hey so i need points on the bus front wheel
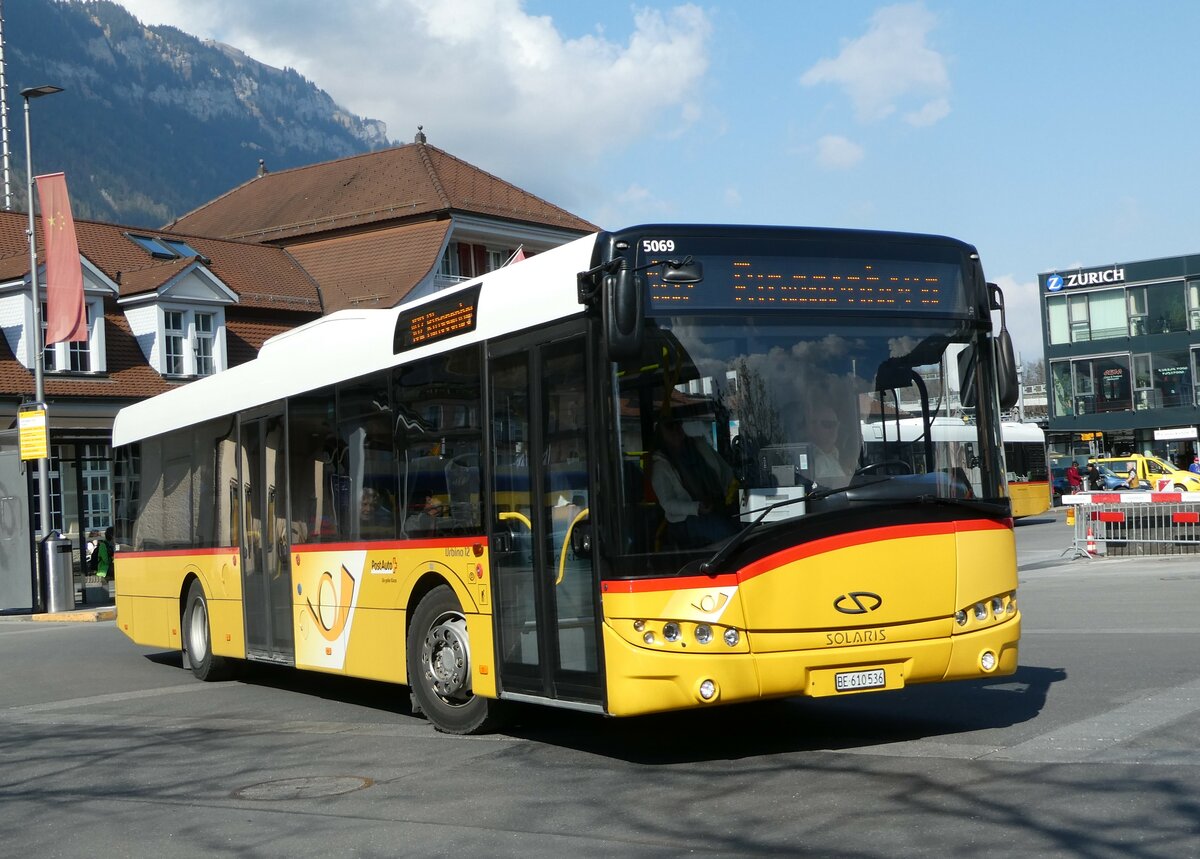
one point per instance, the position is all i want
(197, 638)
(439, 667)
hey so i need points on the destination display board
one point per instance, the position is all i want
(754, 281)
(437, 320)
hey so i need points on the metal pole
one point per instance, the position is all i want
(4, 119)
(35, 341)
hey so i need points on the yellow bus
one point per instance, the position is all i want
(624, 476)
(954, 445)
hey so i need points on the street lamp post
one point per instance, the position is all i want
(36, 334)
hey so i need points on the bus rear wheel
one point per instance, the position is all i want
(197, 638)
(439, 667)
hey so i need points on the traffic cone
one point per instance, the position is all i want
(1091, 542)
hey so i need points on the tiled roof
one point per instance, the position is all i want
(373, 269)
(262, 276)
(399, 183)
(274, 295)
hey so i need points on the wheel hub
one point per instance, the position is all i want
(446, 658)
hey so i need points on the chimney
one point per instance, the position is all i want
(262, 168)
(420, 138)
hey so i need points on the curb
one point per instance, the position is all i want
(93, 616)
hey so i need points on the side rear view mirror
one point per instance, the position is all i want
(623, 314)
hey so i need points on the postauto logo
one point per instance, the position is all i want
(1054, 282)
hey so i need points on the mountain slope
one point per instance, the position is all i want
(153, 121)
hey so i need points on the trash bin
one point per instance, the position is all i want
(58, 573)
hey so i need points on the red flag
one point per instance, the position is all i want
(519, 256)
(65, 315)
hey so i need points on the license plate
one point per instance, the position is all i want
(852, 681)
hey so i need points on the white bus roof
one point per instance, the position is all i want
(353, 343)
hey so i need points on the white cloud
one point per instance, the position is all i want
(733, 197)
(1024, 314)
(889, 67)
(838, 153)
(490, 83)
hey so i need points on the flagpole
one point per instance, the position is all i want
(35, 341)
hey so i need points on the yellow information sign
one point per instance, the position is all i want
(34, 432)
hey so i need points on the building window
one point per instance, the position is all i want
(205, 335)
(1172, 379)
(1196, 377)
(1056, 314)
(1091, 385)
(192, 342)
(1077, 311)
(1138, 322)
(1165, 308)
(96, 480)
(1064, 392)
(81, 356)
(1193, 301)
(174, 336)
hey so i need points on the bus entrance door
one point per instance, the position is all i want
(266, 579)
(546, 617)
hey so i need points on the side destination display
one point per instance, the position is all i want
(437, 320)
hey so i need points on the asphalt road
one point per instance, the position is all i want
(108, 749)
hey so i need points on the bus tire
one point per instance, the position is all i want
(439, 667)
(197, 638)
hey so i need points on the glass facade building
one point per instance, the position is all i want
(1122, 346)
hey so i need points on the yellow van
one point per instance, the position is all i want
(1150, 470)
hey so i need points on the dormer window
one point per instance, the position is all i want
(192, 341)
(83, 356)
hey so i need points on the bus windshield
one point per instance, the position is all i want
(728, 420)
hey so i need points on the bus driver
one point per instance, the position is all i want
(693, 486)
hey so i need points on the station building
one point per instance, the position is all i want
(1122, 347)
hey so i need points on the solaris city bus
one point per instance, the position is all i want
(623, 476)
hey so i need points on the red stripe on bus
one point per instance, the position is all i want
(1185, 518)
(807, 550)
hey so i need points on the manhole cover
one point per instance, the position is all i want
(303, 788)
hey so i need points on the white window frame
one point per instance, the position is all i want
(60, 353)
(189, 336)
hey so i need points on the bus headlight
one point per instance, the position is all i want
(980, 611)
(707, 689)
(732, 637)
(671, 631)
(987, 660)
(704, 633)
(997, 606)
(960, 617)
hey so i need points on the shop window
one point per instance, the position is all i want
(1143, 383)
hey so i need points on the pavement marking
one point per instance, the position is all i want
(71, 703)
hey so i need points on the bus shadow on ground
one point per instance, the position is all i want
(799, 724)
(723, 732)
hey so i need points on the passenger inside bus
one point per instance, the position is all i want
(695, 487)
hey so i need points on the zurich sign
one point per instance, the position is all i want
(1054, 282)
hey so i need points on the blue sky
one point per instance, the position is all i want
(1048, 134)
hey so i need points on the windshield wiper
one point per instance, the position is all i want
(737, 539)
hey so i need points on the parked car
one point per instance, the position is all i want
(1150, 470)
(1109, 479)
